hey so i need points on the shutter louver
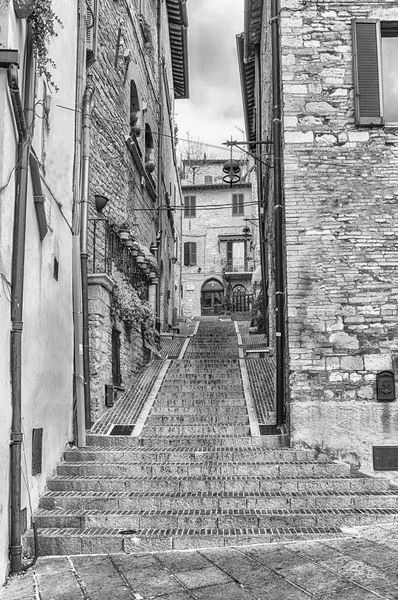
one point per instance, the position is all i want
(186, 254)
(193, 253)
(229, 254)
(234, 204)
(365, 36)
(193, 206)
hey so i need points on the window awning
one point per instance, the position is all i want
(234, 237)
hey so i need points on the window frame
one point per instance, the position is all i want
(368, 71)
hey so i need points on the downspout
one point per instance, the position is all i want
(260, 196)
(24, 119)
(160, 162)
(80, 430)
(88, 94)
(279, 215)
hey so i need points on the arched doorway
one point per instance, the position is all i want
(212, 297)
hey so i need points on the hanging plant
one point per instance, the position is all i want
(43, 20)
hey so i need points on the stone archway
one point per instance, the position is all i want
(212, 297)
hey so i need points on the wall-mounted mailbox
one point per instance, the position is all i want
(385, 386)
(109, 395)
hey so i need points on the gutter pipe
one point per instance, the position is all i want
(279, 215)
(24, 119)
(160, 162)
(80, 423)
(88, 94)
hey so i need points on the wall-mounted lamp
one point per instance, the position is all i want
(100, 202)
(153, 248)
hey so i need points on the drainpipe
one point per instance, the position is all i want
(160, 161)
(279, 215)
(24, 120)
(80, 428)
(83, 248)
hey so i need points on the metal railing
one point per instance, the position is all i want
(242, 302)
(107, 251)
(240, 264)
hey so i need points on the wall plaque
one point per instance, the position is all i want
(385, 458)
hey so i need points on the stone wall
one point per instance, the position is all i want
(128, 52)
(341, 190)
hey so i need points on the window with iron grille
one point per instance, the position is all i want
(189, 254)
(189, 206)
(237, 204)
(375, 48)
(116, 374)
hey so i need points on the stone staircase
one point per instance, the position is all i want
(194, 476)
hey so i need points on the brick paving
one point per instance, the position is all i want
(128, 408)
(360, 565)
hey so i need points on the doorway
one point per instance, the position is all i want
(212, 298)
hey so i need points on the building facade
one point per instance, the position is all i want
(36, 310)
(339, 184)
(141, 69)
(219, 252)
(88, 239)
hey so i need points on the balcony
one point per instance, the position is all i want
(240, 265)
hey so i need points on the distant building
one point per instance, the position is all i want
(339, 179)
(220, 250)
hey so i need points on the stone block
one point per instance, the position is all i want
(352, 363)
(342, 340)
(299, 137)
(378, 362)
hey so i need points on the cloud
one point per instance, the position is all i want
(215, 105)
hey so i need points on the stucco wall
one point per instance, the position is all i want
(47, 338)
(341, 189)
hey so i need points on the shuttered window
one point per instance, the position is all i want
(375, 71)
(189, 206)
(189, 254)
(237, 204)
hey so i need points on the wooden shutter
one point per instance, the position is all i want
(186, 206)
(229, 253)
(366, 53)
(186, 254)
(234, 204)
(193, 206)
(193, 253)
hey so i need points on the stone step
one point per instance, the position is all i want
(205, 400)
(132, 501)
(211, 469)
(229, 413)
(195, 390)
(195, 430)
(194, 456)
(208, 417)
(265, 441)
(238, 484)
(99, 540)
(188, 518)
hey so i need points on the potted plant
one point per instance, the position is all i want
(130, 241)
(23, 8)
(124, 231)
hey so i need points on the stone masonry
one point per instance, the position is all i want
(341, 190)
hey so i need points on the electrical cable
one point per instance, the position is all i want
(127, 124)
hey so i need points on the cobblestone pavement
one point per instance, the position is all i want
(362, 565)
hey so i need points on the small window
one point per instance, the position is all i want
(237, 204)
(375, 47)
(56, 269)
(208, 179)
(189, 254)
(189, 206)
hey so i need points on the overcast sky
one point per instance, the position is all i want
(214, 108)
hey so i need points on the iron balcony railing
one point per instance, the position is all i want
(240, 264)
(107, 252)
